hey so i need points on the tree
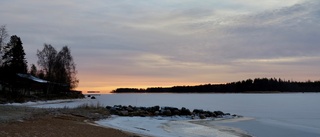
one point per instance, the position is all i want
(46, 60)
(3, 36)
(33, 70)
(67, 67)
(58, 67)
(14, 56)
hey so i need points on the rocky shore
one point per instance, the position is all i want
(165, 112)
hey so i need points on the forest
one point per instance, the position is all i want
(55, 76)
(257, 85)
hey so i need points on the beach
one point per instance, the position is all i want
(19, 121)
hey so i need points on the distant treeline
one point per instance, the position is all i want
(257, 85)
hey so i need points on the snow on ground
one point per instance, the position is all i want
(69, 103)
(151, 126)
(163, 127)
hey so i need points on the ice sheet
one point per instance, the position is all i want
(163, 127)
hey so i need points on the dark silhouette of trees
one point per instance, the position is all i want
(58, 67)
(257, 85)
(33, 70)
(54, 80)
(46, 61)
(13, 62)
(14, 56)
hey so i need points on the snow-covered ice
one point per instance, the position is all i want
(164, 127)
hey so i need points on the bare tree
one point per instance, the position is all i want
(58, 67)
(46, 60)
(3, 37)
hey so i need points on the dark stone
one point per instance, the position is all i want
(197, 111)
(185, 111)
(202, 116)
(93, 97)
(124, 113)
(175, 112)
(113, 110)
(167, 113)
(156, 113)
(218, 113)
(129, 109)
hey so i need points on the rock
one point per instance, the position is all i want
(129, 109)
(202, 116)
(156, 113)
(167, 113)
(197, 111)
(93, 97)
(175, 112)
(113, 110)
(163, 111)
(185, 111)
(124, 113)
(218, 113)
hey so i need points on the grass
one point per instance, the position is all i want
(97, 108)
(98, 105)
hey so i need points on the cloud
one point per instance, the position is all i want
(173, 40)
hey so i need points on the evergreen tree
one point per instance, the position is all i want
(14, 56)
(33, 70)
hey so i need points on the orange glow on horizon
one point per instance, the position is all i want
(108, 85)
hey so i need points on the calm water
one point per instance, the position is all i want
(294, 114)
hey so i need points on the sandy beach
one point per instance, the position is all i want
(31, 122)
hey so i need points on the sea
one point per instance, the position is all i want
(265, 115)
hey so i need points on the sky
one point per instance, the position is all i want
(160, 43)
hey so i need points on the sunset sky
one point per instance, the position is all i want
(151, 43)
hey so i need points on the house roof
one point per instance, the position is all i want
(33, 78)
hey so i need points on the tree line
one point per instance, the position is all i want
(257, 85)
(56, 67)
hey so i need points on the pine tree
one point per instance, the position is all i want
(14, 56)
(33, 70)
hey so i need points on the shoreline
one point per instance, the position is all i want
(173, 126)
(30, 122)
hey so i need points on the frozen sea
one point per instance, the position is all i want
(267, 115)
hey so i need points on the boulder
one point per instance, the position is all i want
(197, 111)
(175, 112)
(123, 113)
(185, 111)
(202, 116)
(218, 113)
(167, 112)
